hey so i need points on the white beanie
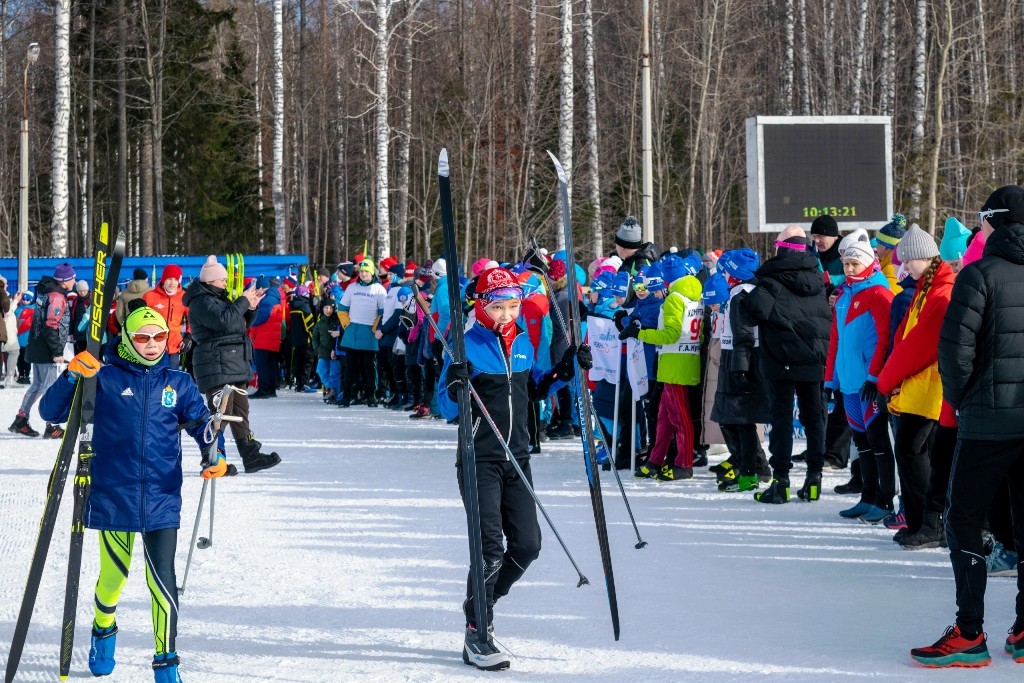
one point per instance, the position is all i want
(440, 268)
(861, 252)
(212, 271)
(858, 235)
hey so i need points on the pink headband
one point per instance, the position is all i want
(791, 245)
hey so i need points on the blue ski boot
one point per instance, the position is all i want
(101, 653)
(165, 668)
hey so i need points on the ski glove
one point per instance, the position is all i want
(618, 318)
(828, 394)
(458, 374)
(187, 343)
(218, 469)
(584, 357)
(630, 331)
(869, 392)
(83, 365)
(535, 262)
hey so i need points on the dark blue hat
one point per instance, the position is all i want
(716, 290)
(740, 263)
(620, 285)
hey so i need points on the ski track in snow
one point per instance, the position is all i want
(347, 562)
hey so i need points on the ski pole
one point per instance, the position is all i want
(195, 532)
(508, 454)
(640, 543)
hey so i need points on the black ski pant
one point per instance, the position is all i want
(300, 366)
(877, 462)
(385, 373)
(506, 509)
(979, 468)
(356, 361)
(24, 367)
(780, 440)
(398, 370)
(913, 443)
(534, 425)
(414, 382)
(744, 439)
(943, 448)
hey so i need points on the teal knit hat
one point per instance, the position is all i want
(954, 240)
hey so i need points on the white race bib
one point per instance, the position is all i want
(727, 322)
(689, 336)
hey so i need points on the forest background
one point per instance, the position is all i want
(313, 126)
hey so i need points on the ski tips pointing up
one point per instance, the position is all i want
(558, 167)
(442, 163)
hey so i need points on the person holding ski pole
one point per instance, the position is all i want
(500, 363)
(136, 474)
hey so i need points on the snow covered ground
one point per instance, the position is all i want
(347, 563)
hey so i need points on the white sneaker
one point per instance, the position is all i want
(484, 656)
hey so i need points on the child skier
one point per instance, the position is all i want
(500, 363)
(136, 474)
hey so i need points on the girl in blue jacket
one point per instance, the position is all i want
(136, 474)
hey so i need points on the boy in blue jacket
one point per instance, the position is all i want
(136, 474)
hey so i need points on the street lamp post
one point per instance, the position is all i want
(30, 59)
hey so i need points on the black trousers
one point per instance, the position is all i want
(744, 439)
(414, 382)
(24, 367)
(979, 469)
(356, 362)
(300, 365)
(385, 373)
(534, 424)
(780, 440)
(506, 510)
(266, 370)
(877, 462)
(943, 448)
(398, 372)
(913, 443)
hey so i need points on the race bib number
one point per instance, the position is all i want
(689, 337)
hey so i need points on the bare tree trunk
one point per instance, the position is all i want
(302, 149)
(984, 55)
(937, 144)
(805, 63)
(90, 167)
(596, 237)
(919, 112)
(257, 91)
(830, 57)
(61, 128)
(788, 62)
(122, 115)
(565, 102)
(707, 51)
(381, 128)
(858, 58)
(404, 148)
(146, 191)
(342, 226)
(277, 178)
(531, 120)
(887, 77)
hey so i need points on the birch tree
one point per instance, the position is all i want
(590, 83)
(565, 102)
(887, 77)
(858, 58)
(61, 129)
(805, 62)
(933, 179)
(277, 177)
(788, 62)
(405, 145)
(919, 113)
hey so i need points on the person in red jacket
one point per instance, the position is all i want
(911, 376)
(165, 299)
(266, 338)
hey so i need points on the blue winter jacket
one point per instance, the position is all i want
(860, 332)
(506, 385)
(271, 299)
(136, 470)
(439, 305)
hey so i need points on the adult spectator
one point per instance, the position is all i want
(266, 338)
(794, 321)
(51, 323)
(300, 333)
(135, 290)
(631, 248)
(165, 299)
(981, 347)
(825, 233)
(360, 312)
(222, 357)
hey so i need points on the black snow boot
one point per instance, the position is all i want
(811, 490)
(53, 432)
(856, 484)
(21, 426)
(252, 459)
(931, 534)
(776, 494)
(700, 456)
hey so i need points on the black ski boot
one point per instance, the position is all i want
(855, 485)
(252, 459)
(811, 490)
(764, 470)
(21, 426)
(776, 494)
(700, 456)
(722, 467)
(53, 432)
(931, 534)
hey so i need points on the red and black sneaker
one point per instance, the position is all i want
(953, 649)
(53, 432)
(1015, 644)
(21, 426)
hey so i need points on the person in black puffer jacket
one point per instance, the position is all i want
(223, 354)
(981, 361)
(795, 321)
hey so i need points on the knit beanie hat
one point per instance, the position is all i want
(672, 269)
(740, 263)
(629, 235)
(172, 272)
(954, 240)
(556, 271)
(916, 244)
(136, 320)
(692, 264)
(397, 271)
(651, 278)
(262, 282)
(479, 266)
(975, 249)
(892, 232)
(440, 268)
(860, 252)
(346, 268)
(825, 225)
(81, 285)
(602, 282)
(139, 274)
(716, 290)
(858, 235)
(1008, 201)
(387, 262)
(620, 285)
(612, 262)
(64, 272)
(211, 270)
(497, 284)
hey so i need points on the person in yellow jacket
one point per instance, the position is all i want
(888, 237)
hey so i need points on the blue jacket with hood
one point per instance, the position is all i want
(136, 469)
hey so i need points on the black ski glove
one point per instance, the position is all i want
(566, 369)
(458, 374)
(618, 318)
(631, 330)
(869, 392)
(584, 357)
(535, 262)
(187, 343)
(827, 394)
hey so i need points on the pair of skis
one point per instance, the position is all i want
(79, 428)
(458, 354)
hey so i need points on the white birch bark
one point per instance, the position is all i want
(404, 148)
(590, 83)
(858, 58)
(382, 130)
(940, 80)
(531, 114)
(710, 26)
(565, 102)
(805, 62)
(61, 128)
(919, 113)
(830, 57)
(277, 179)
(983, 49)
(788, 61)
(341, 239)
(887, 76)
(257, 92)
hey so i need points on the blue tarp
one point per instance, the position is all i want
(153, 265)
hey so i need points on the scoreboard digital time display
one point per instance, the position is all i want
(802, 167)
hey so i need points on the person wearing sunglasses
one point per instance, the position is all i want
(137, 473)
(981, 363)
